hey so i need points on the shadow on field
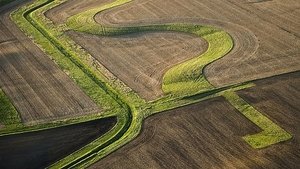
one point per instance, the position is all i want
(42, 148)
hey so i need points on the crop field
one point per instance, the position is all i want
(279, 98)
(40, 91)
(271, 47)
(60, 13)
(141, 60)
(149, 84)
(204, 136)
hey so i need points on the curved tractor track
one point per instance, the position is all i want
(183, 81)
(265, 34)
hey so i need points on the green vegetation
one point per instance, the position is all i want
(31, 21)
(8, 114)
(185, 83)
(271, 133)
(184, 79)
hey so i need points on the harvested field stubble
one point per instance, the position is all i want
(266, 35)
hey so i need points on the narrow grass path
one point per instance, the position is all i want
(271, 133)
(185, 80)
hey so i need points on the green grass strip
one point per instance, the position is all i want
(184, 79)
(8, 113)
(32, 21)
(65, 59)
(270, 134)
(52, 39)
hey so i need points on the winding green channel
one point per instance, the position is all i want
(183, 79)
(183, 84)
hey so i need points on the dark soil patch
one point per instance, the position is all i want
(209, 134)
(42, 148)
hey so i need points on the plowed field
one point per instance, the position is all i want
(278, 97)
(39, 90)
(140, 60)
(42, 148)
(266, 34)
(208, 134)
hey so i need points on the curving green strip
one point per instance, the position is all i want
(184, 79)
(271, 133)
(186, 76)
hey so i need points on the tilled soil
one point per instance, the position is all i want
(279, 98)
(141, 59)
(266, 34)
(209, 134)
(39, 90)
(42, 148)
(60, 13)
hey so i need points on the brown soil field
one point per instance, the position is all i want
(60, 13)
(266, 34)
(42, 148)
(203, 135)
(209, 134)
(141, 59)
(279, 98)
(39, 90)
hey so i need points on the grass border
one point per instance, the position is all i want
(271, 133)
(31, 19)
(181, 80)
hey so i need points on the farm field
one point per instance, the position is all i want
(149, 84)
(40, 91)
(141, 60)
(205, 136)
(266, 43)
(278, 97)
(21, 151)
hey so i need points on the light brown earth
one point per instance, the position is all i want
(141, 59)
(209, 134)
(39, 90)
(266, 42)
(266, 34)
(60, 13)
